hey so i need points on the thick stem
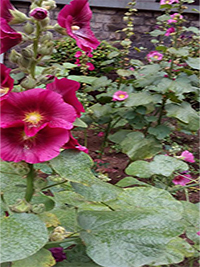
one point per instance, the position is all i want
(35, 49)
(29, 184)
(105, 138)
(161, 111)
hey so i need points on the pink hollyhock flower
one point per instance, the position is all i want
(90, 66)
(35, 109)
(77, 62)
(175, 17)
(169, 31)
(120, 96)
(182, 179)
(187, 156)
(6, 81)
(43, 146)
(168, 2)
(5, 7)
(8, 36)
(67, 88)
(75, 18)
(89, 54)
(100, 134)
(58, 254)
(198, 233)
(73, 144)
(154, 55)
(39, 13)
(78, 54)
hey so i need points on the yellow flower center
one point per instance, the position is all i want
(156, 57)
(33, 117)
(121, 96)
(75, 28)
(3, 91)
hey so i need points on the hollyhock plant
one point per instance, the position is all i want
(175, 17)
(169, 31)
(187, 156)
(75, 18)
(39, 13)
(67, 89)
(45, 145)
(120, 96)
(58, 254)
(35, 109)
(182, 179)
(6, 81)
(8, 36)
(154, 55)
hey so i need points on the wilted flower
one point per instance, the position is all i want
(154, 55)
(169, 31)
(6, 81)
(187, 156)
(67, 89)
(120, 96)
(39, 13)
(73, 144)
(58, 254)
(75, 18)
(175, 17)
(182, 179)
(35, 109)
(168, 2)
(8, 36)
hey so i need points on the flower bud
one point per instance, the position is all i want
(59, 29)
(28, 28)
(14, 56)
(39, 13)
(47, 37)
(44, 22)
(17, 17)
(38, 208)
(24, 62)
(49, 5)
(28, 83)
(21, 206)
(60, 229)
(46, 48)
(27, 53)
(57, 236)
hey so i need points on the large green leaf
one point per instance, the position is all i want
(74, 166)
(22, 235)
(12, 182)
(139, 168)
(185, 113)
(136, 235)
(142, 99)
(42, 258)
(136, 146)
(193, 63)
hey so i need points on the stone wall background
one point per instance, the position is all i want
(106, 21)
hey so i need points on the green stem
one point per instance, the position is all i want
(182, 187)
(52, 185)
(161, 111)
(186, 195)
(29, 184)
(35, 49)
(105, 138)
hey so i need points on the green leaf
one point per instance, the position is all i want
(113, 54)
(140, 169)
(136, 146)
(160, 131)
(119, 136)
(182, 52)
(100, 110)
(124, 73)
(22, 235)
(135, 236)
(74, 166)
(80, 123)
(82, 79)
(185, 113)
(141, 99)
(129, 181)
(193, 63)
(43, 258)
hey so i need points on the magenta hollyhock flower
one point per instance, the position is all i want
(8, 36)
(154, 55)
(35, 109)
(5, 7)
(120, 96)
(100, 134)
(198, 233)
(43, 146)
(90, 66)
(73, 144)
(75, 18)
(175, 17)
(187, 156)
(6, 81)
(58, 254)
(39, 13)
(78, 54)
(77, 62)
(168, 2)
(182, 179)
(169, 31)
(67, 88)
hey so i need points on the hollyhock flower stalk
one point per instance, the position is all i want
(75, 18)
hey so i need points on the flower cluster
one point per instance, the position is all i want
(36, 123)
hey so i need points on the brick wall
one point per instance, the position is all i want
(106, 21)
